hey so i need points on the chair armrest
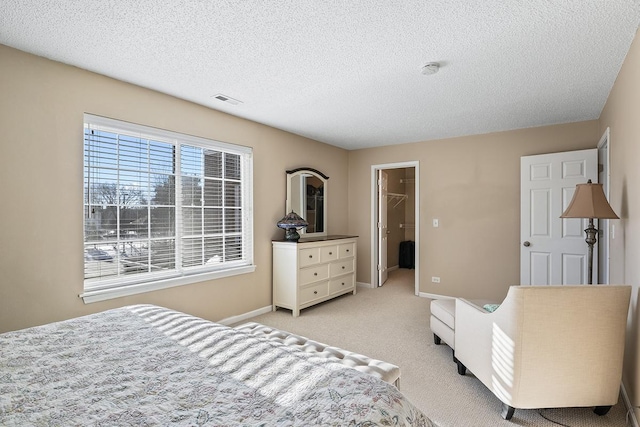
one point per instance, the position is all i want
(475, 333)
(472, 327)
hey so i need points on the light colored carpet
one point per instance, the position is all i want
(392, 324)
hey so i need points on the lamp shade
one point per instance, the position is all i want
(290, 223)
(589, 201)
(292, 220)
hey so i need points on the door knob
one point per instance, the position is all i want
(526, 244)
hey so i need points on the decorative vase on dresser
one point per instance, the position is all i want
(312, 270)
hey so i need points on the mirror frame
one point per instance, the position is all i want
(291, 174)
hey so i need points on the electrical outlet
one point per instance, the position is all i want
(435, 279)
(436, 223)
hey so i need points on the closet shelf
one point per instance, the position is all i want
(403, 225)
(391, 197)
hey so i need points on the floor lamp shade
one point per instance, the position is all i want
(589, 202)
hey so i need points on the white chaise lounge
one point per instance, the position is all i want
(547, 346)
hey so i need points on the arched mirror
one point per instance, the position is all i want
(307, 196)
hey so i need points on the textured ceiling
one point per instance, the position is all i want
(349, 73)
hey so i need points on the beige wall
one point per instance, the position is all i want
(622, 115)
(41, 112)
(472, 185)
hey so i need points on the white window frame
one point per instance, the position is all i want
(95, 291)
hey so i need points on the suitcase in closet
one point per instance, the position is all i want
(407, 254)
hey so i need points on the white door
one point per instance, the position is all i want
(553, 251)
(382, 227)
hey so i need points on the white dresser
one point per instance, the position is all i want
(313, 270)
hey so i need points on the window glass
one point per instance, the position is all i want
(159, 204)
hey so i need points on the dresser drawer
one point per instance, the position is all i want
(328, 253)
(346, 250)
(314, 292)
(341, 284)
(341, 267)
(309, 256)
(313, 274)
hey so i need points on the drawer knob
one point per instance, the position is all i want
(342, 283)
(315, 292)
(310, 256)
(330, 253)
(347, 250)
(315, 274)
(343, 267)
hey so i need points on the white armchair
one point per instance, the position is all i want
(547, 346)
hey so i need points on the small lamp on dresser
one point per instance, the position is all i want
(291, 223)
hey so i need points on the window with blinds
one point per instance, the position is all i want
(160, 207)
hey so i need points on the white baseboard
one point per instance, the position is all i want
(395, 267)
(434, 296)
(630, 409)
(364, 285)
(246, 316)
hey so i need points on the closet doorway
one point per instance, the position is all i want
(395, 219)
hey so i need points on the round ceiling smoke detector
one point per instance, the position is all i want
(430, 68)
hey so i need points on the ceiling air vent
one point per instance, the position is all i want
(227, 99)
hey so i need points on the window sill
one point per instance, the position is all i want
(126, 290)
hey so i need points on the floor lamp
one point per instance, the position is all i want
(590, 202)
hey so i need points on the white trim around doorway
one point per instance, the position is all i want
(604, 239)
(374, 221)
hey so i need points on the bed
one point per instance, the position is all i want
(145, 365)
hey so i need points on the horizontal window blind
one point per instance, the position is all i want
(159, 204)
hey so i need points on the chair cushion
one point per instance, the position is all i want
(445, 311)
(445, 333)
